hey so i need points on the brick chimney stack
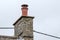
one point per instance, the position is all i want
(24, 9)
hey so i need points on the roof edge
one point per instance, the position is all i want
(23, 17)
(14, 37)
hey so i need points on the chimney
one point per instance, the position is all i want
(24, 25)
(24, 9)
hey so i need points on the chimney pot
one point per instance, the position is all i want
(24, 10)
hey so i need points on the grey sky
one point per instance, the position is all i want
(46, 13)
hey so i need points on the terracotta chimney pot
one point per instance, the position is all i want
(24, 10)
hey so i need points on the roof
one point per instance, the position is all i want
(13, 37)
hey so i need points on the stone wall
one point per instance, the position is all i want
(24, 25)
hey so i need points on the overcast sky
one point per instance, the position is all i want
(46, 13)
